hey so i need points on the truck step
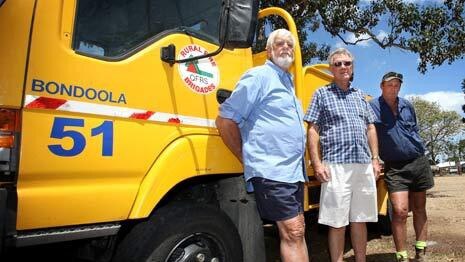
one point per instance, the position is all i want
(28, 238)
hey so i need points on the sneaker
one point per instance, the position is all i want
(420, 255)
(401, 259)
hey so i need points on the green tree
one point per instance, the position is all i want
(437, 127)
(463, 88)
(433, 30)
(461, 149)
(452, 151)
(463, 106)
(455, 151)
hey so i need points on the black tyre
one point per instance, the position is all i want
(384, 222)
(182, 232)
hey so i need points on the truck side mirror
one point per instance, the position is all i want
(237, 30)
(238, 23)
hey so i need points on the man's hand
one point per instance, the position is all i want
(373, 144)
(376, 168)
(322, 173)
(321, 170)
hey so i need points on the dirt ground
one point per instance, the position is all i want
(446, 212)
(446, 215)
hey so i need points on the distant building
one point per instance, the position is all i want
(451, 167)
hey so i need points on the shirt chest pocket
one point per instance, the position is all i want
(408, 125)
(359, 109)
(332, 113)
(280, 100)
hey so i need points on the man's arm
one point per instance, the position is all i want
(373, 144)
(321, 171)
(231, 135)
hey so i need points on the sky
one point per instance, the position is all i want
(441, 84)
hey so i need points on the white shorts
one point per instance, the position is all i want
(349, 196)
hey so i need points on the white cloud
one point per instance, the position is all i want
(339, 45)
(381, 35)
(450, 101)
(365, 39)
(364, 43)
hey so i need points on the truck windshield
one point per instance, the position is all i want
(112, 28)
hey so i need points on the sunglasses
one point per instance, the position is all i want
(340, 63)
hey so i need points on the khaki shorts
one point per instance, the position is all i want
(349, 196)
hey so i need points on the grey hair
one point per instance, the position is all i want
(339, 51)
(279, 32)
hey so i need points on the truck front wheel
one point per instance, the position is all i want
(183, 232)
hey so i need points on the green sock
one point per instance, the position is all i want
(420, 244)
(401, 254)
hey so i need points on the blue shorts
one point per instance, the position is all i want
(278, 201)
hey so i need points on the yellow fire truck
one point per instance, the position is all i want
(107, 130)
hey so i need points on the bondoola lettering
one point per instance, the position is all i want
(90, 93)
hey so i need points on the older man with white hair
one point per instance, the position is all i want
(262, 124)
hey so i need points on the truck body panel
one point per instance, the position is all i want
(14, 50)
(133, 108)
(101, 129)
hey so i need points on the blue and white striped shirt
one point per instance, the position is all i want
(342, 118)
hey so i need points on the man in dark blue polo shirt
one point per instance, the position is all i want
(407, 170)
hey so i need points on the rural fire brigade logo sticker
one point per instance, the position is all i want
(201, 76)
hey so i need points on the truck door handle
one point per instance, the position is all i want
(222, 95)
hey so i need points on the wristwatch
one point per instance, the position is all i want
(375, 157)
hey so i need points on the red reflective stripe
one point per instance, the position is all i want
(174, 120)
(46, 103)
(143, 116)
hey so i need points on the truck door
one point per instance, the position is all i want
(100, 105)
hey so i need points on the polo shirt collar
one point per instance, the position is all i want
(400, 102)
(350, 89)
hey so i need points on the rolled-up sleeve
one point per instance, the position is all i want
(242, 100)
(371, 117)
(313, 112)
(227, 111)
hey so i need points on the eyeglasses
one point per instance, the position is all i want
(281, 43)
(340, 63)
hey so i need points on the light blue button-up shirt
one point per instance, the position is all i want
(270, 119)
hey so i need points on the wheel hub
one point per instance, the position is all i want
(199, 247)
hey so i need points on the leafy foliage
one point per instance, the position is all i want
(437, 127)
(433, 30)
(463, 106)
(461, 149)
(455, 150)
